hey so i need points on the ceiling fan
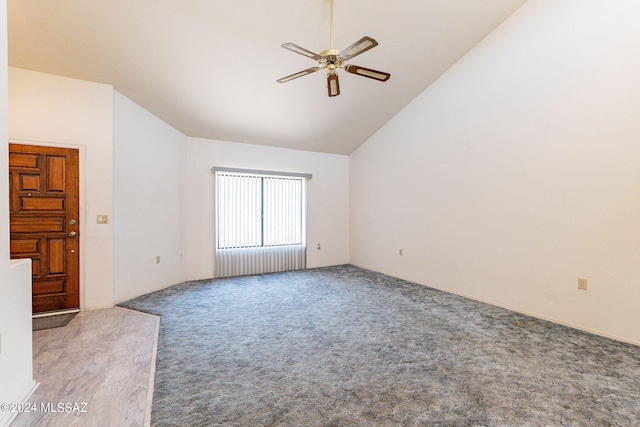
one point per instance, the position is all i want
(332, 59)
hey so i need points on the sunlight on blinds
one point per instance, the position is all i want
(239, 211)
(260, 223)
(282, 211)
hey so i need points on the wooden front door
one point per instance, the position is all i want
(44, 208)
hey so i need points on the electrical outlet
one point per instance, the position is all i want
(319, 247)
(158, 259)
(582, 284)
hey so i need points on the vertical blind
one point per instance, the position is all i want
(260, 223)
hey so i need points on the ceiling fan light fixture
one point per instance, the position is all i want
(333, 84)
(331, 59)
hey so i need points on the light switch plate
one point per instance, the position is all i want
(103, 219)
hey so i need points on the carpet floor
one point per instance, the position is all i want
(344, 346)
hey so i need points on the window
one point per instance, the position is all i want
(256, 211)
(260, 222)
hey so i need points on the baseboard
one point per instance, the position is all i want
(537, 316)
(513, 309)
(6, 418)
(563, 323)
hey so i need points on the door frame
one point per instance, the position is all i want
(81, 205)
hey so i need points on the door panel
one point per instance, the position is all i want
(36, 225)
(56, 256)
(29, 182)
(23, 160)
(44, 205)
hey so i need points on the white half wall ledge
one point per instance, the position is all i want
(16, 370)
(17, 262)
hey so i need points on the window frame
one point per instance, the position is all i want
(304, 178)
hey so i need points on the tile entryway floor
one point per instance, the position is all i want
(96, 371)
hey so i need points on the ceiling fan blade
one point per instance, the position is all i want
(333, 85)
(361, 46)
(298, 74)
(367, 72)
(302, 51)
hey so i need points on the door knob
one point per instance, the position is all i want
(73, 234)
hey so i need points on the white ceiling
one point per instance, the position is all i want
(209, 67)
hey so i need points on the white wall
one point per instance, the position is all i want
(4, 146)
(328, 198)
(16, 368)
(52, 110)
(517, 171)
(150, 160)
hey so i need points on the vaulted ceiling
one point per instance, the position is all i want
(209, 67)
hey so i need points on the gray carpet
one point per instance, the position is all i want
(343, 346)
